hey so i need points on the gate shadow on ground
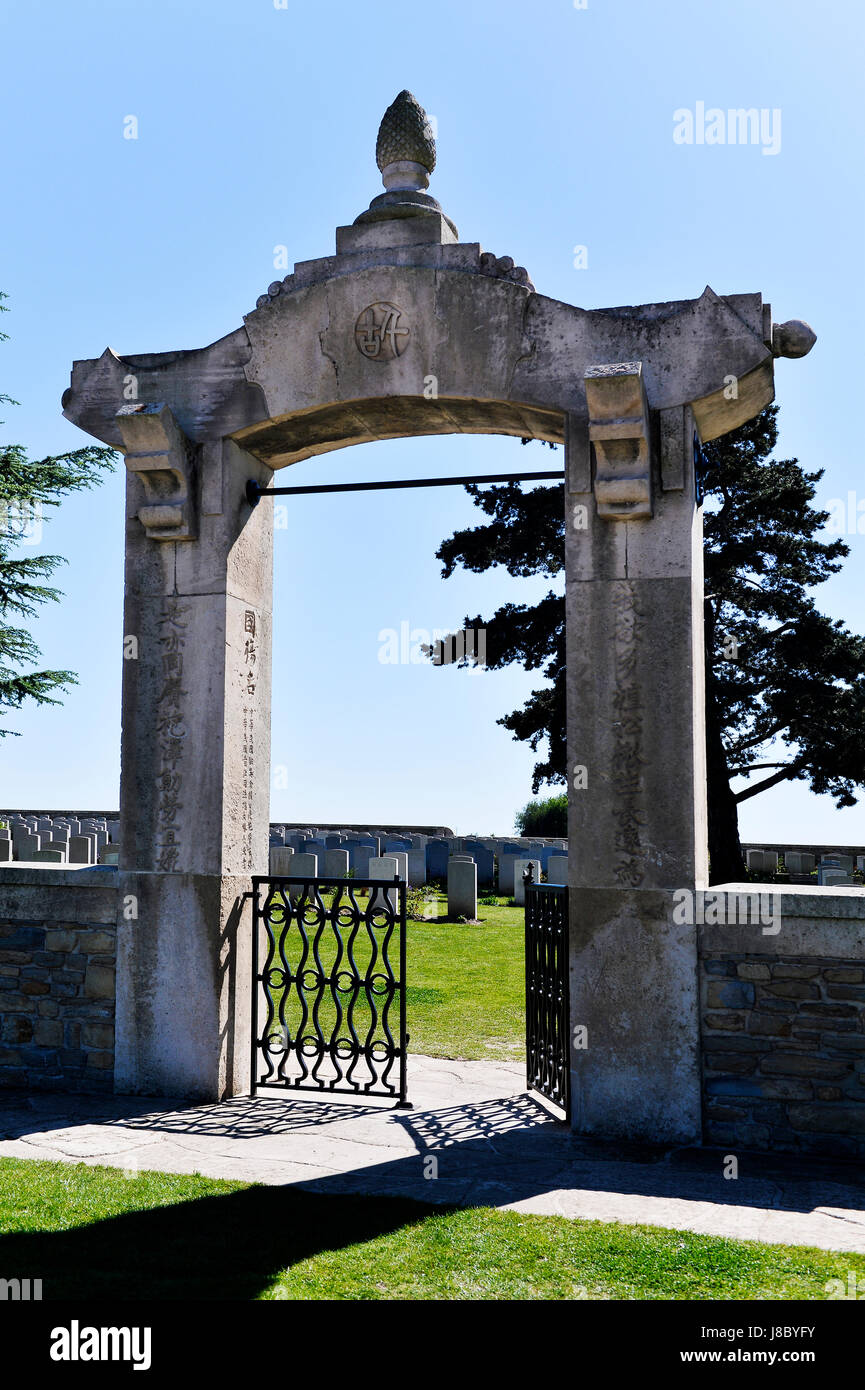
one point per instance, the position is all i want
(245, 1117)
(488, 1152)
(233, 1246)
(221, 1247)
(514, 1148)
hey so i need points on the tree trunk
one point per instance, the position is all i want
(726, 864)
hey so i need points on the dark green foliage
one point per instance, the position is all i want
(547, 818)
(27, 489)
(779, 672)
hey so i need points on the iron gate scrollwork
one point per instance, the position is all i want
(548, 1068)
(329, 1009)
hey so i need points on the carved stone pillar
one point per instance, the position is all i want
(195, 751)
(637, 819)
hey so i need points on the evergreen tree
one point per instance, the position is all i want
(785, 685)
(27, 488)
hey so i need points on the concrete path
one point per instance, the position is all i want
(474, 1138)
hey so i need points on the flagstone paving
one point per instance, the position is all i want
(474, 1137)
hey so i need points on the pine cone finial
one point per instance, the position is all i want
(405, 134)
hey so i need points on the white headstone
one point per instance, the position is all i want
(281, 861)
(384, 866)
(519, 869)
(401, 857)
(462, 887)
(797, 863)
(557, 868)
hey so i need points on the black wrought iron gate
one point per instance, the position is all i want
(547, 1008)
(328, 1010)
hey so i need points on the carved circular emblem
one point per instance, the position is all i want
(381, 332)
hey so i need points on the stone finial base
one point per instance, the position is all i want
(402, 203)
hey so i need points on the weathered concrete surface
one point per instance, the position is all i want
(194, 789)
(637, 826)
(634, 988)
(184, 965)
(494, 1145)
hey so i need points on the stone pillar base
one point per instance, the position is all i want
(634, 989)
(184, 951)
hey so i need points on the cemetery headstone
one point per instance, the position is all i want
(336, 863)
(462, 888)
(417, 867)
(303, 865)
(557, 868)
(401, 857)
(437, 855)
(485, 861)
(507, 870)
(385, 867)
(836, 878)
(797, 863)
(281, 860)
(520, 868)
(359, 857)
(27, 846)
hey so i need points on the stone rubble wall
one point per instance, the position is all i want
(57, 968)
(783, 1029)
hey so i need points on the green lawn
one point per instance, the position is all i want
(98, 1233)
(466, 985)
(465, 992)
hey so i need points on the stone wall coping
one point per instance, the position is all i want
(807, 922)
(804, 900)
(36, 875)
(41, 897)
(802, 847)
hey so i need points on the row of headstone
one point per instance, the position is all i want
(463, 879)
(462, 875)
(57, 839)
(831, 869)
(836, 870)
(495, 859)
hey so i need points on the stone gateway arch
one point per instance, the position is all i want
(406, 330)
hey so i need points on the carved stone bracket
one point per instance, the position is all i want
(160, 454)
(676, 430)
(620, 433)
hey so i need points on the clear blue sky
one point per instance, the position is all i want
(257, 128)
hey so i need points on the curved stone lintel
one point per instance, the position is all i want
(476, 337)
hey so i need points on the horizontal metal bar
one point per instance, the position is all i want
(315, 1090)
(328, 883)
(254, 490)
